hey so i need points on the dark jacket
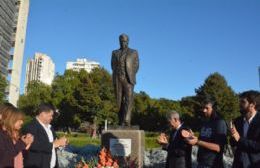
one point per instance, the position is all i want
(179, 152)
(8, 150)
(40, 152)
(247, 149)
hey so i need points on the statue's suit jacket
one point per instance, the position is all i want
(131, 64)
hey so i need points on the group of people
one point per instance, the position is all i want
(33, 147)
(244, 137)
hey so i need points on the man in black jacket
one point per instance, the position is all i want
(246, 132)
(179, 152)
(42, 153)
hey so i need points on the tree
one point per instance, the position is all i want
(84, 97)
(142, 102)
(88, 102)
(63, 88)
(191, 115)
(108, 110)
(3, 85)
(37, 92)
(150, 114)
(226, 99)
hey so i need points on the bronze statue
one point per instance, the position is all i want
(125, 64)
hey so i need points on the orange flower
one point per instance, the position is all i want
(106, 159)
(85, 166)
(115, 164)
(108, 164)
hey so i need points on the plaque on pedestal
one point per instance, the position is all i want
(125, 143)
(120, 147)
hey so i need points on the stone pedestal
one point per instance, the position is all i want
(125, 143)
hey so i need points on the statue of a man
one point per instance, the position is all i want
(125, 64)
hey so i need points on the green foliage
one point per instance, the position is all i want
(3, 85)
(89, 97)
(82, 96)
(150, 114)
(86, 97)
(191, 107)
(63, 88)
(102, 81)
(37, 93)
(27, 120)
(226, 99)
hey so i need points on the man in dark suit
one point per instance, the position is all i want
(246, 132)
(179, 152)
(125, 64)
(42, 153)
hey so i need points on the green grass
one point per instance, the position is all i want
(150, 142)
(82, 139)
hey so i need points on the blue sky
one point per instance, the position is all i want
(180, 42)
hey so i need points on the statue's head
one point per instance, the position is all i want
(123, 39)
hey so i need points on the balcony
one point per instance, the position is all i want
(10, 71)
(11, 57)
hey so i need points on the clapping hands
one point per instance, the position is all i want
(234, 133)
(27, 139)
(162, 139)
(61, 142)
(189, 137)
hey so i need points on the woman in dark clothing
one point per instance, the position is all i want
(10, 143)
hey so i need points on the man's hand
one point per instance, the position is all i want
(193, 140)
(27, 139)
(162, 139)
(60, 142)
(234, 133)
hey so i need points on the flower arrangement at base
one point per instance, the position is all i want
(82, 164)
(106, 160)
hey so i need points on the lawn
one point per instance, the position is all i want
(82, 139)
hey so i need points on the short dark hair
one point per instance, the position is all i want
(252, 96)
(45, 107)
(209, 100)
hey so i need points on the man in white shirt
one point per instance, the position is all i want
(42, 153)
